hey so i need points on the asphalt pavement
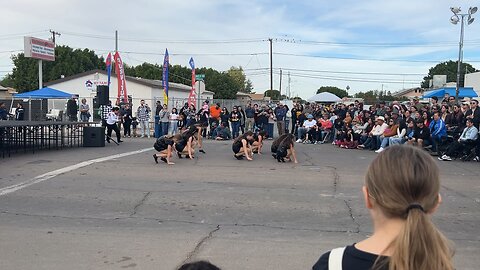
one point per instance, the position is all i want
(114, 208)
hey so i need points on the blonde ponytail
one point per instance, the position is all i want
(404, 182)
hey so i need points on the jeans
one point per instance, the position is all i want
(145, 127)
(301, 132)
(384, 142)
(435, 142)
(250, 122)
(395, 141)
(157, 126)
(173, 127)
(270, 129)
(281, 128)
(164, 128)
(287, 125)
(235, 128)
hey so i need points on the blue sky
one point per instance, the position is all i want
(322, 37)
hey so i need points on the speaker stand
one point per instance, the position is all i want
(110, 139)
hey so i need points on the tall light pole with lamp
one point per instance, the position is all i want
(459, 17)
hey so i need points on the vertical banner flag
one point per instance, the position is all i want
(165, 77)
(122, 87)
(109, 67)
(192, 97)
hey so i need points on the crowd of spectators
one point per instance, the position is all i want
(443, 127)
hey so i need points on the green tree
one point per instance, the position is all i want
(448, 68)
(273, 94)
(248, 86)
(334, 90)
(24, 76)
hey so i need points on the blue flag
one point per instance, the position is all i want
(165, 77)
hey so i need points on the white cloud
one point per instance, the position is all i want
(349, 21)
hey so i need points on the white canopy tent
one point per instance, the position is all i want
(324, 97)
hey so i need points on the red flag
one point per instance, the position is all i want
(122, 86)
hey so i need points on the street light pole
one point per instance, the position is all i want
(454, 20)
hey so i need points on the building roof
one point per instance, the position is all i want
(242, 94)
(3, 88)
(406, 91)
(146, 82)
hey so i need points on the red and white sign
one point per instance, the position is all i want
(122, 86)
(39, 49)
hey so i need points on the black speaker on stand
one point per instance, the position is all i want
(93, 137)
(102, 94)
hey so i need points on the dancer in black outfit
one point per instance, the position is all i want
(241, 146)
(276, 143)
(286, 149)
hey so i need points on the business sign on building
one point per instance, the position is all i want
(39, 49)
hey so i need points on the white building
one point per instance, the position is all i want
(84, 85)
(473, 80)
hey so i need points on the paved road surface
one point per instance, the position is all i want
(125, 212)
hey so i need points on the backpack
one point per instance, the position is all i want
(336, 258)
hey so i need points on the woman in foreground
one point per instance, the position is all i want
(400, 205)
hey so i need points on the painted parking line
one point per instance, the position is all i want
(49, 175)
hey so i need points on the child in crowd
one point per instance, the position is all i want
(134, 126)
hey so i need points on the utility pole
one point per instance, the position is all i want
(271, 64)
(54, 33)
(288, 89)
(116, 40)
(280, 85)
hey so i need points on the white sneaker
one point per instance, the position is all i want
(299, 140)
(447, 158)
(380, 150)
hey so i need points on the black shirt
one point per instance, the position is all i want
(353, 258)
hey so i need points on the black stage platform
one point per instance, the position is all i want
(31, 136)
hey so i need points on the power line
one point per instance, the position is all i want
(344, 72)
(366, 59)
(374, 44)
(251, 40)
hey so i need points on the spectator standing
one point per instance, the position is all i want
(250, 117)
(158, 107)
(19, 112)
(164, 120)
(127, 120)
(3, 111)
(84, 111)
(242, 119)
(235, 121)
(143, 117)
(173, 121)
(72, 109)
(271, 123)
(280, 114)
(225, 118)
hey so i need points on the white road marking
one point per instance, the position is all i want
(49, 175)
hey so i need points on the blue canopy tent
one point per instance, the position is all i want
(463, 92)
(46, 92)
(43, 93)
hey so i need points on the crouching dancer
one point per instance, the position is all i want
(185, 143)
(241, 146)
(164, 145)
(257, 142)
(276, 143)
(286, 149)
